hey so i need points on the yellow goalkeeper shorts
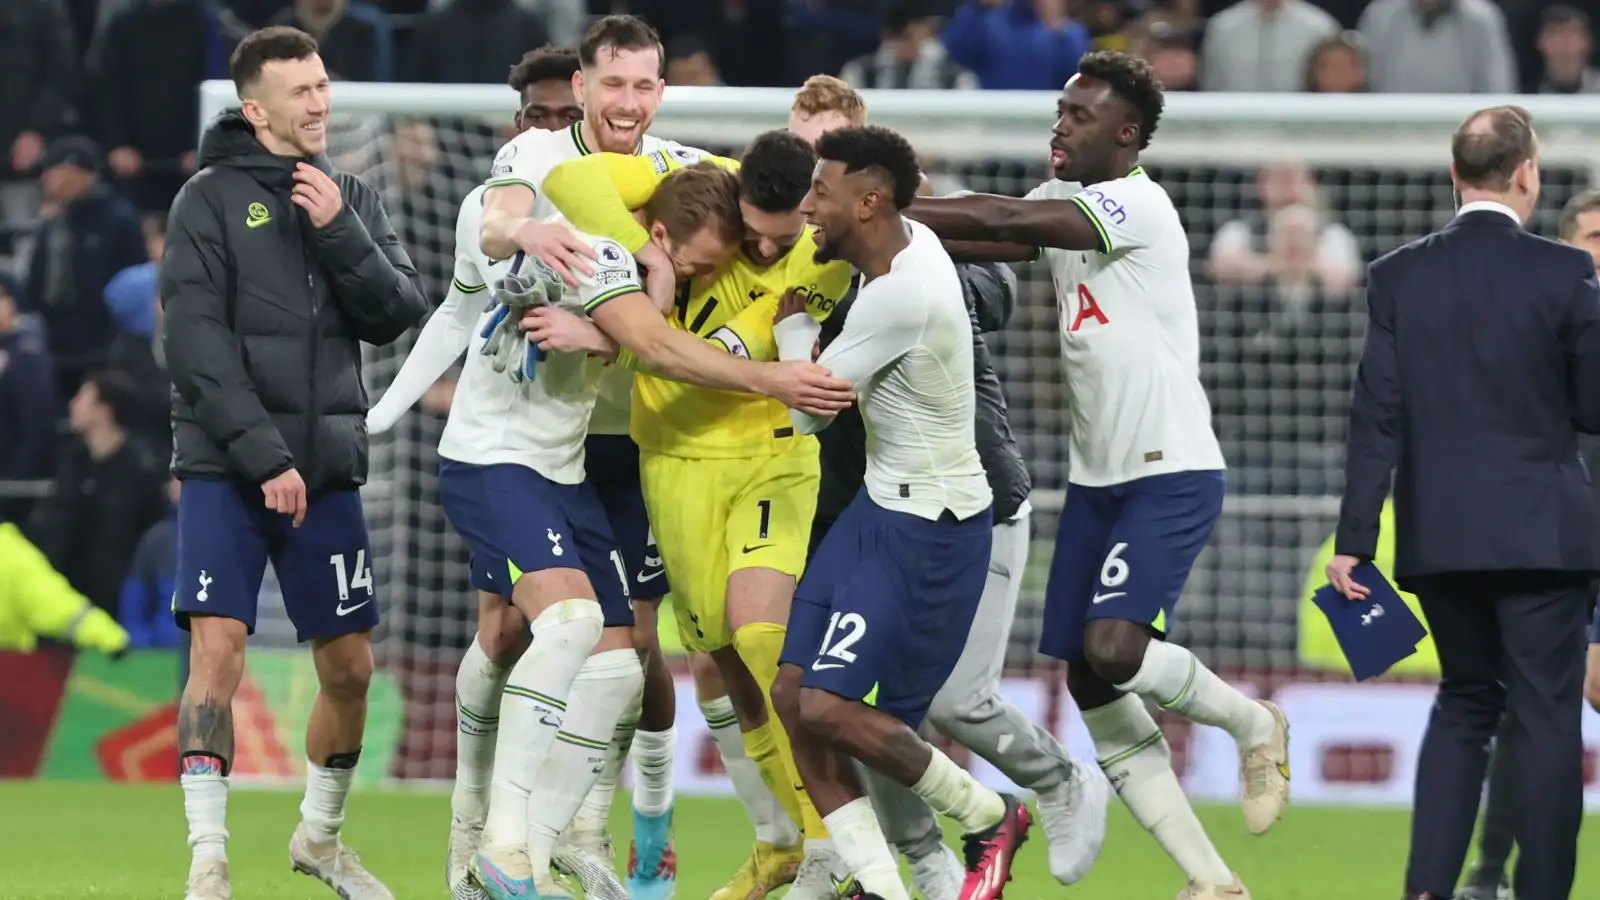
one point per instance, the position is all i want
(713, 517)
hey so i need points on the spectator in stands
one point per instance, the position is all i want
(1282, 354)
(108, 492)
(823, 35)
(1241, 254)
(689, 63)
(497, 31)
(563, 19)
(1263, 45)
(138, 352)
(1565, 42)
(27, 397)
(1438, 47)
(910, 56)
(145, 607)
(36, 66)
(357, 40)
(89, 234)
(154, 54)
(131, 293)
(1111, 24)
(1016, 44)
(1170, 52)
(1337, 66)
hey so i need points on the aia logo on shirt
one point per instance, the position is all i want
(1079, 308)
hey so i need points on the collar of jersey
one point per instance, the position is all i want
(576, 130)
(1138, 171)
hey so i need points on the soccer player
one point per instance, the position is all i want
(1147, 473)
(543, 79)
(969, 709)
(276, 269)
(728, 470)
(882, 614)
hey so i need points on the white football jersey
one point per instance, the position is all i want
(528, 158)
(1130, 339)
(539, 424)
(907, 349)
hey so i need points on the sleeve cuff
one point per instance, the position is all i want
(598, 300)
(795, 337)
(1099, 230)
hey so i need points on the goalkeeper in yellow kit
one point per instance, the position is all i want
(730, 487)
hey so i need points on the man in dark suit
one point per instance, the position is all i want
(1482, 364)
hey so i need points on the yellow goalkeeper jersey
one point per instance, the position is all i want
(734, 311)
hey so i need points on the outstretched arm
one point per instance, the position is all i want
(1061, 224)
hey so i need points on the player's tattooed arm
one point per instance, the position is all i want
(1060, 224)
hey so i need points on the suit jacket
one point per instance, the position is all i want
(1481, 366)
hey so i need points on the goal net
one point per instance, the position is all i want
(1285, 199)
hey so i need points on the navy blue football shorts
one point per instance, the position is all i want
(883, 610)
(612, 463)
(515, 521)
(1124, 551)
(226, 537)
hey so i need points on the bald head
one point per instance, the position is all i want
(1490, 146)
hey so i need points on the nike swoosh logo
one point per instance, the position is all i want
(750, 549)
(646, 576)
(1101, 598)
(819, 666)
(256, 223)
(550, 720)
(343, 610)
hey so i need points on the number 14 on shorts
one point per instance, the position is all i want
(350, 580)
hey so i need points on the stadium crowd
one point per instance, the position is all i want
(99, 111)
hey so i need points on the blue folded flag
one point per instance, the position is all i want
(1375, 633)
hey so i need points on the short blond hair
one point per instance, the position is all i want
(825, 93)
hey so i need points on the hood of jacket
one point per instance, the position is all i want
(230, 142)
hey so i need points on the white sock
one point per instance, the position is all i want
(531, 712)
(595, 813)
(322, 808)
(652, 762)
(950, 791)
(205, 805)
(479, 683)
(604, 688)
(1138, 761)
(859, 841)
(1174, 680)
(772, 824)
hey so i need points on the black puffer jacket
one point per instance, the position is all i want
(265, 316)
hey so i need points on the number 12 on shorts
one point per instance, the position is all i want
(351, 580)
(844, 630)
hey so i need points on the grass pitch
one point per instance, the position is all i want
(81, 840)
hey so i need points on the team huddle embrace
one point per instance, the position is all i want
(763, 381)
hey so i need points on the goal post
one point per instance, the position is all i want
(1370, 171)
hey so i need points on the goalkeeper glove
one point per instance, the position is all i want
(529, 284)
